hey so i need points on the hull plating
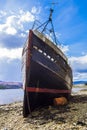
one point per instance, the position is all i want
(47, 73)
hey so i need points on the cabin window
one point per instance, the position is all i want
(45, 53)
(52, 59)
(35, 47)
(48, 56)
(40, 50)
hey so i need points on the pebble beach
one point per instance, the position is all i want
(72, 116)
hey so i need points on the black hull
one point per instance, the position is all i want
(46, 77)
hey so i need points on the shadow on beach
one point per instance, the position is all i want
(59, 114)
(73, 115)
(79, 99)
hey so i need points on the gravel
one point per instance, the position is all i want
(72, 116)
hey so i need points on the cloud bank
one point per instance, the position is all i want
(14, 27)
(10, 53)
(79, 67)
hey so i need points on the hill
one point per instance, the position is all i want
(79, 82)
(10, 85)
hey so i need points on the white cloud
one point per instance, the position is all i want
(26, 17)
(58, 35)
(22, 35)
(11, 30)
(80, 76)
(10, 20)
(35, 10)
(80, 61)
(10, 53)
(14, 22)
(79, 67)
(64, 48)
(9, 27)
(3, 13)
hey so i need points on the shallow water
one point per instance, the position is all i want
(13, 95)
(10, 95)
(76, 89)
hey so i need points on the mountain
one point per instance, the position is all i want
(10, 85)
(79, 82)
(16, 85)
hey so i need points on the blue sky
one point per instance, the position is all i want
(70, 24)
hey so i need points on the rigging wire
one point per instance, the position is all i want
(43, 27)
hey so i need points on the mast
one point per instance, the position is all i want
(43, 26)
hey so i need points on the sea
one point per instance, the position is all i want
(8, 96)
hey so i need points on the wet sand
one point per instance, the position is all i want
(72, 116)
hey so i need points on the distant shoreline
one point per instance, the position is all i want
(9, 88)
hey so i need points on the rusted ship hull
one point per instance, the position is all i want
(46, 72)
